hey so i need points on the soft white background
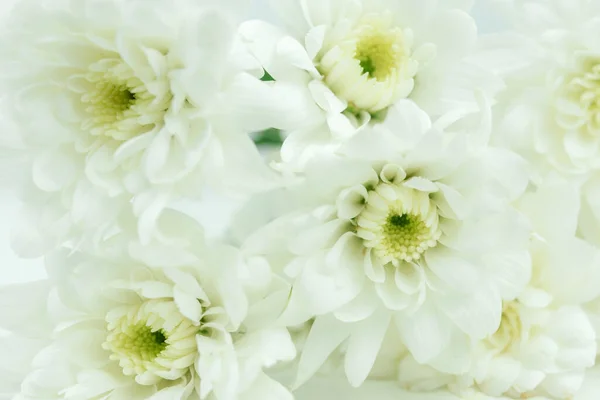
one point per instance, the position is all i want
(215, 214)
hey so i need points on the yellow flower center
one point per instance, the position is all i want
(578, 101)
(510, 329)
(379, 52)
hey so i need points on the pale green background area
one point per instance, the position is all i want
(215, 213)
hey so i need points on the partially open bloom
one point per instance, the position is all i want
(545, 341)
(125, 98)
(551, 109)
(192, 322)
(344, 63)
(408, 225)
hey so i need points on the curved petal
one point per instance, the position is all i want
(456, 272)
(477, 313)
(374, 269)
(325, 335)
(266, 388)
(364, 345)
(390, 295)
(426, 332)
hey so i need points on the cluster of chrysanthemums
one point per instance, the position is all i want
(431, 218)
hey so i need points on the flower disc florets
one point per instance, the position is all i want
(118, 104)
(371, 67)
(398, 223)
(151, 341)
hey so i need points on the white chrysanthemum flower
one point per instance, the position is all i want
(545, 341)
(551, 109)
(125, 98)
(537, 351)
(589, 228)
(344, 63)
(405, 224)
(192, 322)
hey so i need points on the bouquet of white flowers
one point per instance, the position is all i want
(416, 206)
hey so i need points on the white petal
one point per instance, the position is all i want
(351, 201)
(359, 308)
(553, 208)
(267, 346)
(325, 98)
(562, 386)
(407, 121)
(23, 308)
(186, 282)
(392, 297)
(453, 32)
(510, 272)
(295, 53)
(501, 376)
(169, 393)
(188, 306)
(421, 184)
(509, 169)
(575, 284)
(364, 345)
(456, 357)
(374, 269)
(476, 313)
(32, 236)
(322, 236)
(451, 203)
(55, 169)
(420, 378)
(266, 388)
(326, 334)
(314, 40)
(457, 272)
(426, 332)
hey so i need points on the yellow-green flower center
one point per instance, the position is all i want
(369, 65)
(110, 99)
(108, 103)
(379, 52)
(403, 235)
(578, 101)
(510, 329)
(139, 341)
(117, 104)
(151, 341)
(398, 223)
